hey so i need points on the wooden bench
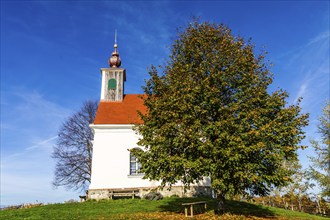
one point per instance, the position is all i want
(124, 193)
(83, 198)
(191, 205)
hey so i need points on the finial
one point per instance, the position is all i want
(115, 39)
(114, 60)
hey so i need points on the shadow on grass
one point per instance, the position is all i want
(232, 207)
(248, 209)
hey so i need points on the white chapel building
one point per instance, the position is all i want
(114, 169)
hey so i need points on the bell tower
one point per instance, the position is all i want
(113, 78)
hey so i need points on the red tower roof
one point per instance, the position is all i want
(124, 112)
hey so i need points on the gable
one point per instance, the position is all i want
(124, 112)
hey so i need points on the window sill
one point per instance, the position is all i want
(135, 175)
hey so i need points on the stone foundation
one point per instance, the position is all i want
(194, 191)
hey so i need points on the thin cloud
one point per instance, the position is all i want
(43, 144)
(322, 36)
(302, 91)
(26, 163)
(25, 105)
(310, 66)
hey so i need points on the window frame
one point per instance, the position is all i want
(134, 162)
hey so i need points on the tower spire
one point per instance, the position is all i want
(114, 60)
(115, 36)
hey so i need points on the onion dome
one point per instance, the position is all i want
(114, 60)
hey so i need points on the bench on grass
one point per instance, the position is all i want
(83, 198)
(124, 193)
(191, 205)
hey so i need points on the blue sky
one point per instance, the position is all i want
(51, 53)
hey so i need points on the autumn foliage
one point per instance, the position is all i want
(210, 113)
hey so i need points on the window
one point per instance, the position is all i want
(134, 165)
(112, 84)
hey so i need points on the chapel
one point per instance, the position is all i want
(115, 172)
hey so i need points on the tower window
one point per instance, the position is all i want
(112, 84)
(134, 165)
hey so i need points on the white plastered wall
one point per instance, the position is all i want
(110, 162)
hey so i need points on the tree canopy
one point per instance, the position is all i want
(210, 114)
(320, 170)
(74, 148)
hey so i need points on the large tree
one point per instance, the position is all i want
(209, 113)
(73, 150)
(320, 171)
(297, 190)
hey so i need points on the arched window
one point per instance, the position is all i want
(112, 84)
(134, 165)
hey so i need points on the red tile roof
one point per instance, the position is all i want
(124, 112)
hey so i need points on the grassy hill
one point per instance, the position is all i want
(168, 208)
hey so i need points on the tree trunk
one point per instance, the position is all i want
(318, 205)
(285, 204)
(221, 203)
(299, 205)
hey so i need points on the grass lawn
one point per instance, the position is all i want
(168, 208)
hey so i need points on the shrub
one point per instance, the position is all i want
(153, 196)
